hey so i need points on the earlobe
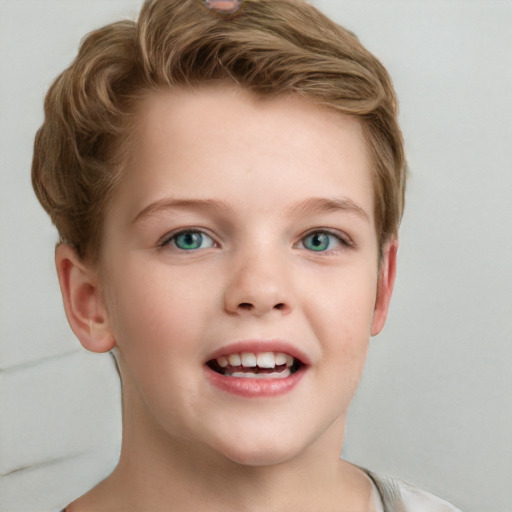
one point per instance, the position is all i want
(386, 282)
(83, 300)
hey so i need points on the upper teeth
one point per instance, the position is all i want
(260, 359)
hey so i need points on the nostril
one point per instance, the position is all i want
(259, 309)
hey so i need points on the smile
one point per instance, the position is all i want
(257, 368)
(256, 365)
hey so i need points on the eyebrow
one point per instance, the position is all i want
(328, 205)
(171, 204)
(314, 205)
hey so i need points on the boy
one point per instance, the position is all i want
(227, 181)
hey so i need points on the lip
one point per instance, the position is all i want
(246, 387)
(261, 387)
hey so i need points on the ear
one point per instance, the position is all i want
(385, 284)
(83, 300)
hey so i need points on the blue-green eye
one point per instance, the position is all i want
(191, 240)
(320, 241)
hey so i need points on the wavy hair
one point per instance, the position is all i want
(269, 47)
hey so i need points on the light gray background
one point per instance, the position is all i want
(434, 406)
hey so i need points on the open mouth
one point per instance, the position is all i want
(260, 365)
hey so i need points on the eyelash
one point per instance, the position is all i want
(343, 239)
(171, 238)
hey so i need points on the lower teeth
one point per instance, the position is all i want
(251, 375)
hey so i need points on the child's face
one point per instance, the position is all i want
(244, 226)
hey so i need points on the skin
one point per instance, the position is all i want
(223, 5)
(254, 176)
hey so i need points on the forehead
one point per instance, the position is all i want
(227, 141)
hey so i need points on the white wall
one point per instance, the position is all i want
(59, 406)
(435, 404)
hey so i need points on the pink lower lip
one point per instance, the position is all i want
(254, 387)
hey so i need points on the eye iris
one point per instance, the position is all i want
(317, 241)
(189, 240)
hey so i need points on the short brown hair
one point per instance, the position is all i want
(270, 47)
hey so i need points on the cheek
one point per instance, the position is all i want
(153, 311)
(342, 304)
(157, 333)
(342, 322)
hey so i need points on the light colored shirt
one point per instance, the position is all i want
(394, 495)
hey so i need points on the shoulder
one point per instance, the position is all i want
(399, 496)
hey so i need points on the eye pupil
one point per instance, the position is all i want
(189, 240)
(317, 241)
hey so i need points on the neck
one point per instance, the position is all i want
(156, 472)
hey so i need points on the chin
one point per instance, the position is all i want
(277, 449)
(260, 458)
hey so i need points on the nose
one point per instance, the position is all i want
(258, 286)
